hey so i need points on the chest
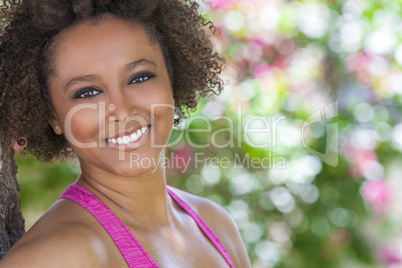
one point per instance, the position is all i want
(187, 247)
(190, 248)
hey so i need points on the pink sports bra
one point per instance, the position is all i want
(131, 249)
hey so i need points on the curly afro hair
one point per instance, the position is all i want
(29, 27)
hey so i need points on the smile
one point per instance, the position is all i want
(129, 138)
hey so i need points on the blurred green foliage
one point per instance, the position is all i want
(41, 185)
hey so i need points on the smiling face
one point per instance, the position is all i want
(112, 96)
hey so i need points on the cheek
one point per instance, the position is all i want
(162, 106)
(82, 125)
(161, 110)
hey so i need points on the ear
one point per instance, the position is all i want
(55, 123)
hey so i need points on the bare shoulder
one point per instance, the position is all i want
(58, 239)
(221, 223)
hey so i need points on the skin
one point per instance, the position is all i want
(69, 236)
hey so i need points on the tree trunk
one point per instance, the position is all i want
(11, 220)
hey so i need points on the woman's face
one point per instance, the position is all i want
(112, 96)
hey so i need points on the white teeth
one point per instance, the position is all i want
(134, 137)
(128, 139)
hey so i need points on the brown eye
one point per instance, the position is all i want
(142, 77)
(86, 93)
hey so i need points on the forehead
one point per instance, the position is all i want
(100, 41)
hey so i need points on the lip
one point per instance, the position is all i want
(132, 145)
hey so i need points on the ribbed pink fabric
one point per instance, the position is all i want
(131, 249)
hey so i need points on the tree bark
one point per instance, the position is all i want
(12, 224)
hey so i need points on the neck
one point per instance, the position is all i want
(140, 201)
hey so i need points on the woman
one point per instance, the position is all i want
(103, 78)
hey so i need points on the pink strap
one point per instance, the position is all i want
(204, 227)
(131, 249)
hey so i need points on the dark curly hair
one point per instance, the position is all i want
(29, 27)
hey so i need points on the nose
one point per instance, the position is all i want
(121, 107)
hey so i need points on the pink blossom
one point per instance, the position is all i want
(261, 70)
(281, 63)
(360, 161)
(357, 62)
(258, 42)
(377, 193)
(222, 3)
(182, 157)
(349, 150)
(390, 256)
(365, 160)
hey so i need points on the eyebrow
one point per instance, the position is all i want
(134, 64)
(85, 78)
(93, 77)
